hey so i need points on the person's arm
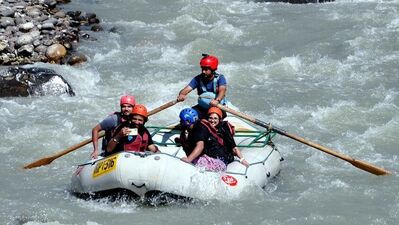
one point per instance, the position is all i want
(153, 148)
(221, 93)
(107, 124)
(243, 161)
(199, 147)
(220, 96)
(116, 139)
(183, 93)
(94, 139)
(113, 143)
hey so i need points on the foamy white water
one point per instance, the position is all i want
(326, 72)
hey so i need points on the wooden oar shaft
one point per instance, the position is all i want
(49, 159)
(355, 162)
(162, 107)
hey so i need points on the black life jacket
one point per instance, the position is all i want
(216, 146)
(226, 131)
(184, 138)
(183, 142)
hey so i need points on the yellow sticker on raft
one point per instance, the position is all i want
(105, 166)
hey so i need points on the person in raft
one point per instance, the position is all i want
(211, 86)
(225, 130)
(112, 121)
(132, 135)
(201, 143)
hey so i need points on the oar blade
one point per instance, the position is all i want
(40, 162)
(369, 167)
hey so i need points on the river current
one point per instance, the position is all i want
(325, 72)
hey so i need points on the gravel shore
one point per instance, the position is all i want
(38, 31)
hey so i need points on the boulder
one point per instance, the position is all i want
(55, 52)
(76, 59)
(18, 81)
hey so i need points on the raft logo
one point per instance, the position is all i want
(229, 180)
(105, 166)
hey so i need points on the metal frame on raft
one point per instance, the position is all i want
(260, 138)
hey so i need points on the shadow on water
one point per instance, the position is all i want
(25, 219)
(151, 199)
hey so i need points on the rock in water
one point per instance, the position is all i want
(17, 81)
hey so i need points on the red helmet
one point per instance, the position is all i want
(216, 110)
(140, 110)
(128, 99)
(209, 61)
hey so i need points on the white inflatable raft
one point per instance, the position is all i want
(142, 173)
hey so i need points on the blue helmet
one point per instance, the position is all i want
(188, 116)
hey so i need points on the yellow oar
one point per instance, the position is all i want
(47, 160)
(355, 162)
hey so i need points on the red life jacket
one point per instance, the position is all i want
(139, 144)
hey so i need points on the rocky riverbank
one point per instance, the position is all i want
(38, 31)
